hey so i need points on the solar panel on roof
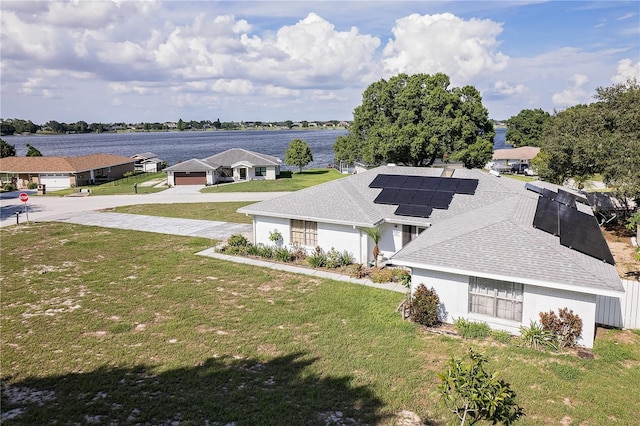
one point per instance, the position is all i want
(386, 196)
(422, 198)
(467, 186)
(380, 181)
(403, 196)
(546, 216)
(581, 232)
(396, 181)
(413, 211)
(566, 198)
(412, 182)
(547, 193)
(448, 184)
(430, 183)
(441, 200)
(533, 188)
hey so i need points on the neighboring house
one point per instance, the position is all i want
(235, 164)
(147, 162)
(470, 236)
(64, 172)
(513, 160)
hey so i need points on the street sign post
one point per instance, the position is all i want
(24, 197)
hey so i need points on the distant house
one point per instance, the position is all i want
(513, 160)
(495, 249)
(64, 172)
(147, 162)
(233, 165)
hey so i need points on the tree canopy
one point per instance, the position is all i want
(415, 120)
(298, 154)
(32, 151)
(7, 150)
(602, 137)
(526, 128)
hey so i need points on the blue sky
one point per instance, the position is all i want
(103, 61)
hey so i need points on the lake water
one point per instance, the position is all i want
(174, 147)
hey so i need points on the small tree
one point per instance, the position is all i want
(32, 151)
(566, 326)
(376, 235)
(7, 150)
(424, 306)
(475, 394)
(298, 154)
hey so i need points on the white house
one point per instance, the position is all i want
(235, 164)
(470, 236)
(513, 159)
(147, 162)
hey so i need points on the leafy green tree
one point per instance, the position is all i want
(181, 125)
(33, 151)
(7, 128)
(475, 394)
(417, 119)
(81, 127)
(298, 154)
(526, 128)
(7, 150)
(217, 124)
(56, 127)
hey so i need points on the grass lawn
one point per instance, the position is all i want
(224, 212)
(120, 186)
(118, 327)
(288, 181)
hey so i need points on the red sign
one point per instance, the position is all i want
(24, 197)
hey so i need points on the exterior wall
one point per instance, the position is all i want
(170, 179)
(391, 241)
(272, 173)
(453, 291)
(263, 225)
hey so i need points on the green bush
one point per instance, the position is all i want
(381, 275)
(317, 259)
(336, 259)
(425, 305)
(566, 326)
(501, 336)
(536, 337)
(268, 252)
(471, 329)
(282, 254)
(237, 240)
(32, 185)
(9, 187)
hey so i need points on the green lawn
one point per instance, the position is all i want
(118, 327)
(288, 181)
(224, 212)
(121, 186)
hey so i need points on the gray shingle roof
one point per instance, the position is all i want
(236, 155)
(486, 234)
(193, 165)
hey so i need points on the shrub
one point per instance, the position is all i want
(501, 336)
(473, 393)
(275, 236)
(237, 240)
(282, 254)
(253, 250)
(297, 252)
(265, 251)
(566, 326)
(471, 329)
(32, 185)
(381, 275)
(536, 337)
(317, 259)
(9, 187)
(358, 270)
(424, 306)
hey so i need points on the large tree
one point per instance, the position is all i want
(415, 120)
(298, 154)
(32, 151)
(7, 150)
(526, 128)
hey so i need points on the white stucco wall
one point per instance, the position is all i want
(264, 225)
(341, 238)
(453, 291)
(271, 173)
(170, 180)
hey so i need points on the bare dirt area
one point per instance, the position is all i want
(619, 241)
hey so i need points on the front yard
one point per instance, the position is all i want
(106, 326)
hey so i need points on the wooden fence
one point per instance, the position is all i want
(622, 312)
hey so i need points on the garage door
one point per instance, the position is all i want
(193, 178)
(54, 182)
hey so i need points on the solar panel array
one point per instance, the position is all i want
(417, 196)
(556, 213)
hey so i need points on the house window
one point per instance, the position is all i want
(261, 171)
(498, 299)
(304, 233)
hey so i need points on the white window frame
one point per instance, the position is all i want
(497, 299)
(304, 232)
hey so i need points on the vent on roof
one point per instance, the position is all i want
(417, 196)
(556, 213)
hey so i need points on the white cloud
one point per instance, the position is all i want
(626, 70)
(233, 87)
(573, 95)
(444, 43)
(504, 88)
(130, 88)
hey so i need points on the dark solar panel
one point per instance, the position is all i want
(403, 196)
(581, 232)
(386, 196)
(566, 198)
(546, 216)
(448, 184)
(380, 181)
(422, 198)
(533, 188)
(413, 211)
(467, 186)
(430, 183)
(396, 181)
(413, 182)
(441, 200)
(547, 193)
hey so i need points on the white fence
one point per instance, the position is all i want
(622, 312)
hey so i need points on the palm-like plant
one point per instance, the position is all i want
(376, 235)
